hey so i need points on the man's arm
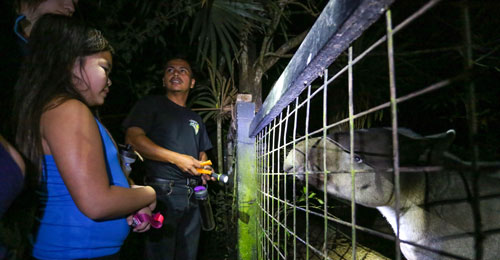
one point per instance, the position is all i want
(147, 148)
(203, 156)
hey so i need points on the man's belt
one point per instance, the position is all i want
(191, 182)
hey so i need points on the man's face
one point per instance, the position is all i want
(178, 76)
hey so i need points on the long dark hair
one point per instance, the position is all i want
(46, 79)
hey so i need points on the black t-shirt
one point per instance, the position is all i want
(170, 126)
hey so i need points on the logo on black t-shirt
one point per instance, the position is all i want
(195, 126)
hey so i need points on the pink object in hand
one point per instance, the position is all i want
(156, 220)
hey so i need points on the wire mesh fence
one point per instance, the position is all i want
(388, 151)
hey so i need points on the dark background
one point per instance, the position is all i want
(429, 50)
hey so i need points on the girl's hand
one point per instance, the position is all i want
(144, 226)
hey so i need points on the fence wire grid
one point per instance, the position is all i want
(403, 91)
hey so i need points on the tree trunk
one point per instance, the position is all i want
(250, 81)
(220, 166)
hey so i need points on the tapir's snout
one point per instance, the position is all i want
(288, 167)
(295, 164)
(295, 161)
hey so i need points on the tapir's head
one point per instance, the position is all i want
(372, 161)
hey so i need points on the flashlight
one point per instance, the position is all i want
(223, 178)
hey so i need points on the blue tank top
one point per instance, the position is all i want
(64, 231)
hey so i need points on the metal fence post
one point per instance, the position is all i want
(246, 180)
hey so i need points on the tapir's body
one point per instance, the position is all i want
(435, 208)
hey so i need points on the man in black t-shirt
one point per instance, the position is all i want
(173, 140)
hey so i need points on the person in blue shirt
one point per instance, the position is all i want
(86, 201)
(14, 48)
(16, 23)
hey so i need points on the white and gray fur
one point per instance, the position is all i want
(435, 207)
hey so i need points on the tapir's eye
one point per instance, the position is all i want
(358, 159)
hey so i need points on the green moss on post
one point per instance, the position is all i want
(246, 182)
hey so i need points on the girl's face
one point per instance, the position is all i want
(92, 78)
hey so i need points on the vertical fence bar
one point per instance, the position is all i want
(325, 170)
(285, 175)
(261, 192)
(472, 120)
(308, 171)
(264, 192)
(272, 175)
(294, 182)
(263, 183)
(394, 117)
(351, 139)
(263, 175)
(278, 176)
(246, 181)
(268, 188)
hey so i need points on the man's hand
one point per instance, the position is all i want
(187, 164)
(206, 177)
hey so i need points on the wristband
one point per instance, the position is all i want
(156, 220)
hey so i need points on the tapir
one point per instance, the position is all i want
(436, 208)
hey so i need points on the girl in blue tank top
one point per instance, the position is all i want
(86, 201)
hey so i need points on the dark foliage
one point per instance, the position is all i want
(145, 33)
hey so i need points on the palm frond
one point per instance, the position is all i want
(217, 25)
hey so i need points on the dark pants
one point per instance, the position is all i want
(179, 235)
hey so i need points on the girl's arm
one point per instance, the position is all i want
(71, 135)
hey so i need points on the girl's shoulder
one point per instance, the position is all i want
(66, 105)
(66, 111)
(67, 123)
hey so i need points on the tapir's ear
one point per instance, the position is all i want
(423, 150)
(374, 145)
(365, 140)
